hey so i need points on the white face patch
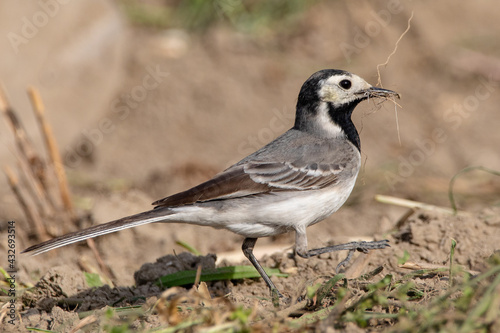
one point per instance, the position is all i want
(325, 123)
(335, 89)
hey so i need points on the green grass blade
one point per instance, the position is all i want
(451, 196)
(327, 288)
(222, 273)
(482, 306)
(452, 255)
(93, 279)
(181, 327)
(189, 248)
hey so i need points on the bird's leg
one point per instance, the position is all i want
(301, 248)
(247, 248)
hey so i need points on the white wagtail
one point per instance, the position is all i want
(295, 181)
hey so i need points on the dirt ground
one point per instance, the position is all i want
(216, 96)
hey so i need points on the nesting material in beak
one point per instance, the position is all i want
(381, 93)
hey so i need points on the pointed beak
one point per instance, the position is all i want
(380, 92)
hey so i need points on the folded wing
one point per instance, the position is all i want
(256, 178)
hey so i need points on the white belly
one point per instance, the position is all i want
(267, 214)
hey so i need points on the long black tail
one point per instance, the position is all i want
(154, 215)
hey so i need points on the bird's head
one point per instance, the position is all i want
(327, 100)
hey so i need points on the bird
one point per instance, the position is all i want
(295, 181)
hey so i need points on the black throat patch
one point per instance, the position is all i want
(342, 117)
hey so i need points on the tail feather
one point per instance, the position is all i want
(154, 215)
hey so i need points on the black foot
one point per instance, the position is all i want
(275, 297)
(361, 247)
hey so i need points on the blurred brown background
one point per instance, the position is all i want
(147, 98)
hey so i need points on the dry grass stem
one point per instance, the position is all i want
(86, 266)
(31, 214)
(379, 80)
(51, 144)
(31, 185)
(23, 144)
(102, 265)
(415, 205)
(39, 203)
(84, 322)
(416, 266)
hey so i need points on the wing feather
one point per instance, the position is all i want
(257, 178)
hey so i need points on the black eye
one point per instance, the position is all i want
(345, 84)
